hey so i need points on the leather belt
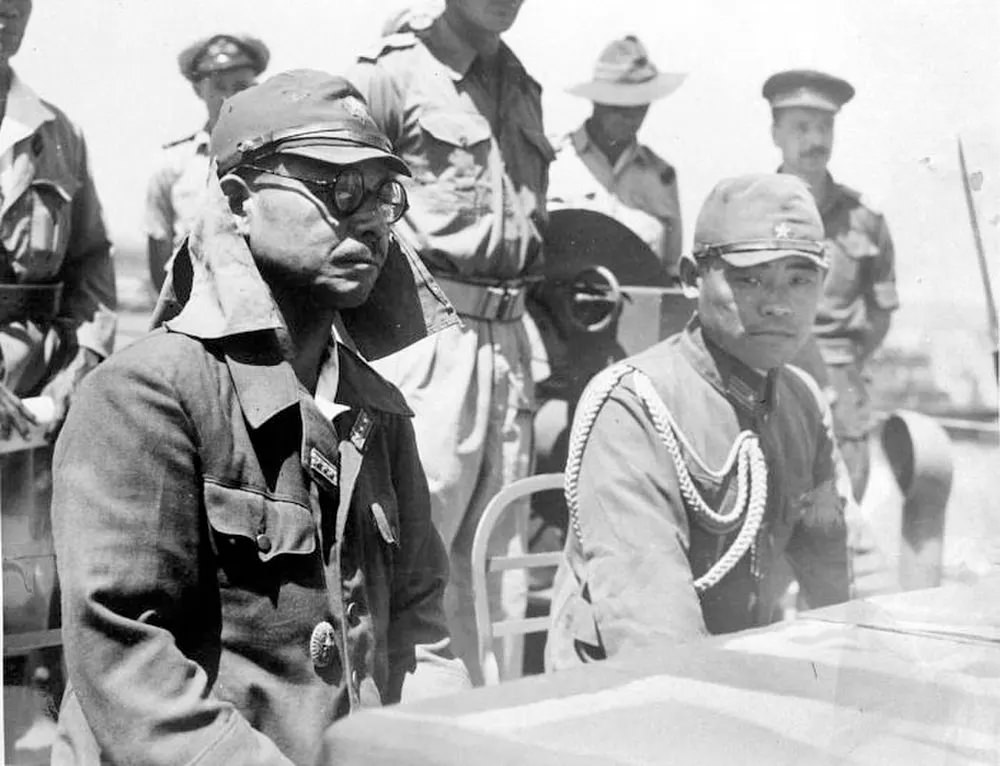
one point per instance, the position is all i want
(499, 301)
(19, 302)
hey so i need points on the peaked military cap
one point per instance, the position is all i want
(412, 17)
(303, 112)
(808, 89)
(222, 52)
(625, 76)
(758, 218)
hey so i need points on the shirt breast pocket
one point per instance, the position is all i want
(849, 254)
(259, 539)
(36, 228)
(536, 160)
(455, 160)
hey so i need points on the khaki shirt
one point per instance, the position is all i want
(862, 275)
(473, 138)
(639, 190)
(51, 225)
(176, 189)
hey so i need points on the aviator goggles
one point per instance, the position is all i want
(346, 193)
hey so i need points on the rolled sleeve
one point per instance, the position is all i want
(883, 294)
(135, 565)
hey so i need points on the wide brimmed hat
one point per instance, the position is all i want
(303, 112)
(753, 219)
(625, 76)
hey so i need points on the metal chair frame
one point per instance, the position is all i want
(482, 564)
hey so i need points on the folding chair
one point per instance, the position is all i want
(482, 564)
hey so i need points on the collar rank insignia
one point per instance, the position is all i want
(324, 471)
(361, 430)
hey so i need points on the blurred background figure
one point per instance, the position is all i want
(459, 107)
(217, 67)
(57, 322)
(601, 165)
(859, 293)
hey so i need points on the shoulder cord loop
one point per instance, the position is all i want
(751, 476)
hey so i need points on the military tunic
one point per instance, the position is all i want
(640, 190)
(243, 562)
(627, 577)
(471, 132)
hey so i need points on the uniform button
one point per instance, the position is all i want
(263, 543)
(352, 611)
(322, 644)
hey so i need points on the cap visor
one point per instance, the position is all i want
(742, 260)
(629, 94)
(348, 155)
(805, 101)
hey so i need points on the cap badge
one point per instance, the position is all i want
(782, 230)
(355, 108)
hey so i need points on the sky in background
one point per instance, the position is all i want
(925, 71)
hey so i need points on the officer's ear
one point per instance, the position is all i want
(689, 276)
(775, 119)
(240, 198)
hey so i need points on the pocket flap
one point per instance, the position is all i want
(539, 140)
(457, 128)
(287, 526)
(64, 188)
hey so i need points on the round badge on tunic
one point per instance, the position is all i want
(322, 644)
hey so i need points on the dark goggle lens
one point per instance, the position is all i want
(348, 191)
(391, 200)
(349, 195)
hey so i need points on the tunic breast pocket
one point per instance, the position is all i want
(849, 253)
(533, 163)
(454, 168)
(36, 229)
(261, 542)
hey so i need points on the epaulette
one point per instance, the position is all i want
(865, 200)
(394, 42)
(179, 141)
(666, 171)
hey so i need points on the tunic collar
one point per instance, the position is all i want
(24, 114)
(584, 144)
(750, 391)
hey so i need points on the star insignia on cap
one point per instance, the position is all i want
(782, 230)
(355, 108)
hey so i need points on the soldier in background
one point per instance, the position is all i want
(57, 322)
(859, 293)
(217, 67)
(461, 110)
(601, 166)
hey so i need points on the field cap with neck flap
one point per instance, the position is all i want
(310, 114)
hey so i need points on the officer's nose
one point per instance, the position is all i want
(368, 224)
(776, 303)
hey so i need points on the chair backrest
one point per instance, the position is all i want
(482, 564)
